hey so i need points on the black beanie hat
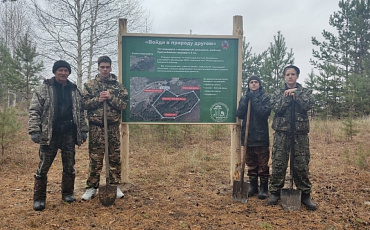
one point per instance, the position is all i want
(61, 63)
(254, 77)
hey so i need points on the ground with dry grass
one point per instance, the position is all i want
(180, 180)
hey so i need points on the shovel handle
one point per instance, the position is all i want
(106, 142)
(292, 143)
(244, 155)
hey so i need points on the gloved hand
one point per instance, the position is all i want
(246, 98)
(35, 137)
(250, 95)
(84, 137)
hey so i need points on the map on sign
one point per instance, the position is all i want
(164, 99)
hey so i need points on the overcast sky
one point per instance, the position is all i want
(298, 21)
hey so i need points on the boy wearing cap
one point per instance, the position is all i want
(56, 121)
(281, 102)
(258, 153)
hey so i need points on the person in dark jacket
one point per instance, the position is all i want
(258, 153)
(281, 102)
(56, 121)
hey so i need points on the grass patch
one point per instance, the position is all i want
(265, 225)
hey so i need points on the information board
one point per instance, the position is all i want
(180, 79)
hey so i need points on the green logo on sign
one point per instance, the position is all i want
(219, 112)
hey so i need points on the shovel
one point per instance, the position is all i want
(240, 188)
(107, 193)
(291, 198)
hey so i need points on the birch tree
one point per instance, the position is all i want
(14, 23)
(81, 30)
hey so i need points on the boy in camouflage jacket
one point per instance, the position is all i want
(104, 88)
(281, 102)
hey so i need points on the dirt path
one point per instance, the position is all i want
(188, 188)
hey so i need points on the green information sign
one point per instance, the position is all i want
(180, 79)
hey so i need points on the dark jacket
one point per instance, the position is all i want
(258, 134)
(281, 105)
(115, 105)
(42, 111)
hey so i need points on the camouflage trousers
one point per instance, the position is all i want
(96, 154)
(280, 158)
(257, 160)
(65, 141)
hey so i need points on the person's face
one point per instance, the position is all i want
(104, 69)
(291, 77)
(254, 85)
(61, 75)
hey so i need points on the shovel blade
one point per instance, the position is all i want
(291, 199)
(240, 193)
(107, 194)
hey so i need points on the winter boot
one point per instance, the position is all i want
(306, 201)
(39, 193)
(253, 186)
(273, 199)
(68, 184)
(263, 188)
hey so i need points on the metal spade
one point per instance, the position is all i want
(240, 188)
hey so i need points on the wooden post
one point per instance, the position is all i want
(125, 131)
(235, 156)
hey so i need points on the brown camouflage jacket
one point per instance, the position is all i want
(281, 105)
(90, 99)
(42, 108)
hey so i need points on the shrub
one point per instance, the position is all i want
(9, 127)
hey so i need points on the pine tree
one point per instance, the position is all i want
(342, 59)
(26, 56)
(251, 64)
(10, 78)
(273, 62)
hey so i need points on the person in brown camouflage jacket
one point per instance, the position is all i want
(104, 87)
(56, 121)
(281, 102)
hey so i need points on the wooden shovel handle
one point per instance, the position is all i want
(292, 143)
(106, 141)
(244, 155)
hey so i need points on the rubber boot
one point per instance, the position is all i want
(273, 199)
(253, 186)
(68, 184)
(263, 188)
(39, 193)
(306, 201)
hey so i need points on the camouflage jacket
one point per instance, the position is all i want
(281, 105)
(90, 99)
(258, 134)
(42, 111)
